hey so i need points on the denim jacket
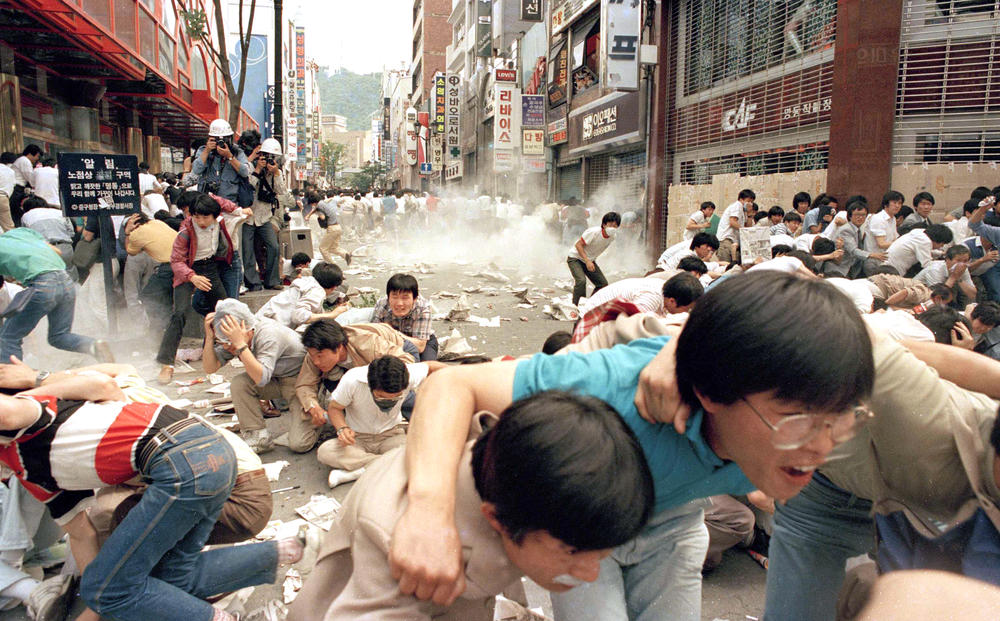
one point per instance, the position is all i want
(222, 171)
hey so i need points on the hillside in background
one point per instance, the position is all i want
(352, 95)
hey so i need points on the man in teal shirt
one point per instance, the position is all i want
(770, 402)
(27, 258)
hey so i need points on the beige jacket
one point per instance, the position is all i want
(624, 329)
(365, 342)
(364, 527)
(926, 452)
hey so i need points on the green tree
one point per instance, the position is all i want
(331, 155)
(371, 174)
(195, 23)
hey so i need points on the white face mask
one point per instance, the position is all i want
(610, 232)
(568, 580)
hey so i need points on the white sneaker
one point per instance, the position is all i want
(51, 599)
(338, 476)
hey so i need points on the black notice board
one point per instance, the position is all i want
(85, 178)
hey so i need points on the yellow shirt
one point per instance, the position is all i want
(155, 238)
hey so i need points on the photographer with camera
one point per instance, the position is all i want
(268, 185)
(220, 167)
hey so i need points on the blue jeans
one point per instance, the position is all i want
(814, 534)
(655, 576)
(54, 297)
(991, 281)
(152, 568)
(232, 275)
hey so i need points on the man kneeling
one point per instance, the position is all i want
(546, 492)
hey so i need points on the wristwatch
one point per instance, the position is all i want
(41, 377)
(239, 352)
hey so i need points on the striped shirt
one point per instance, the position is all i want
(75, 447)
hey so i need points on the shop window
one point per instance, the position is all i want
(150, 4)
(586, 59)
(199, 72)
(182, 59)
(125, 22)
(728, 39)
(147, 37)
(166, 55)
(167, 17)
(100, 10)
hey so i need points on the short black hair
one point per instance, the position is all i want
(556, 341)
(187, 198)
(324, 334)
(205, 205)
(979, 193)
(940, 290)
(7, 157)
(313, 197)
(143, 167)
(301, 258)
(776, 210)
(704, 239)
(611, 216)
(884, 269)
(792, 216)
(683, 288)
(801, 197)
(33, 201)
(995, 434)
(987, 312)
(806, 258)
(760, 215)
(904, 212)
(746, 194)
(692, 264)
(32, 149)
(402, 282)
(328, 275)
(747, 318)
(568, 465)
(940, 319)
(939, 233)
(923, 196)
(388, 374)
(780, 249)
(956, 250)
(856, 205)
(49, 161)
(890, 196)
(969, 206)
(706, 205)
(822, 245)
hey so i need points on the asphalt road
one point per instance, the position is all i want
(518, 258)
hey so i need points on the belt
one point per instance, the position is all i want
(246, 477)
(162, 437)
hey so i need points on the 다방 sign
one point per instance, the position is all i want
(533, 142)
(84, 178)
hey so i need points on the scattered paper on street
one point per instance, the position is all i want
(273, 470)
(320, 510)
(291, 585)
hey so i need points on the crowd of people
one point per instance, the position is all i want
(831, 408)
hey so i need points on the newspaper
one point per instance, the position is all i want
(755, 242)
(320, 510)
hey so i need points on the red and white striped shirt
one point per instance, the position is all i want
(630, 296)
(75, 447)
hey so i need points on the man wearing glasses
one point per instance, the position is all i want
(766, 415)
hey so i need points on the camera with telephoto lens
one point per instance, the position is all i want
(269, 159)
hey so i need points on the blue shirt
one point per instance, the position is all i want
(388, 205)
(684, 467)
(811, 219)
(222, 171)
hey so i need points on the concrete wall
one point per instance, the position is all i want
(951, 184)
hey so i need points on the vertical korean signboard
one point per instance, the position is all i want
(533, 133)
(531, 11)
(484, 28)
(453, 126)
(440, 100)
(620, 47)
(315, 140)
(300, 96)
(506, 125)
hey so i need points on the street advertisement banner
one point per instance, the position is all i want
(621, 29)
(507, 117)
(440, 103)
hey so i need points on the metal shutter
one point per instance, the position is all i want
(618, 179)
(570, 182)
(948, 94)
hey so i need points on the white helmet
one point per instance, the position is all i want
(220, 128)
(271, 146)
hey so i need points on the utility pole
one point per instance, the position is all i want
(278, 126)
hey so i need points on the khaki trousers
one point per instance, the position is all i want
(6, 221)
(729, 522)
(330, 244)
(366, 448)
(246, 401)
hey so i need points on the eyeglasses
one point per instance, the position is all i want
(797, 430)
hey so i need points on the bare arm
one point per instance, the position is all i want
(90, 387)
(579, 245)
(209, 362)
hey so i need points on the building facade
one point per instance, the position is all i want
(106, 76)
